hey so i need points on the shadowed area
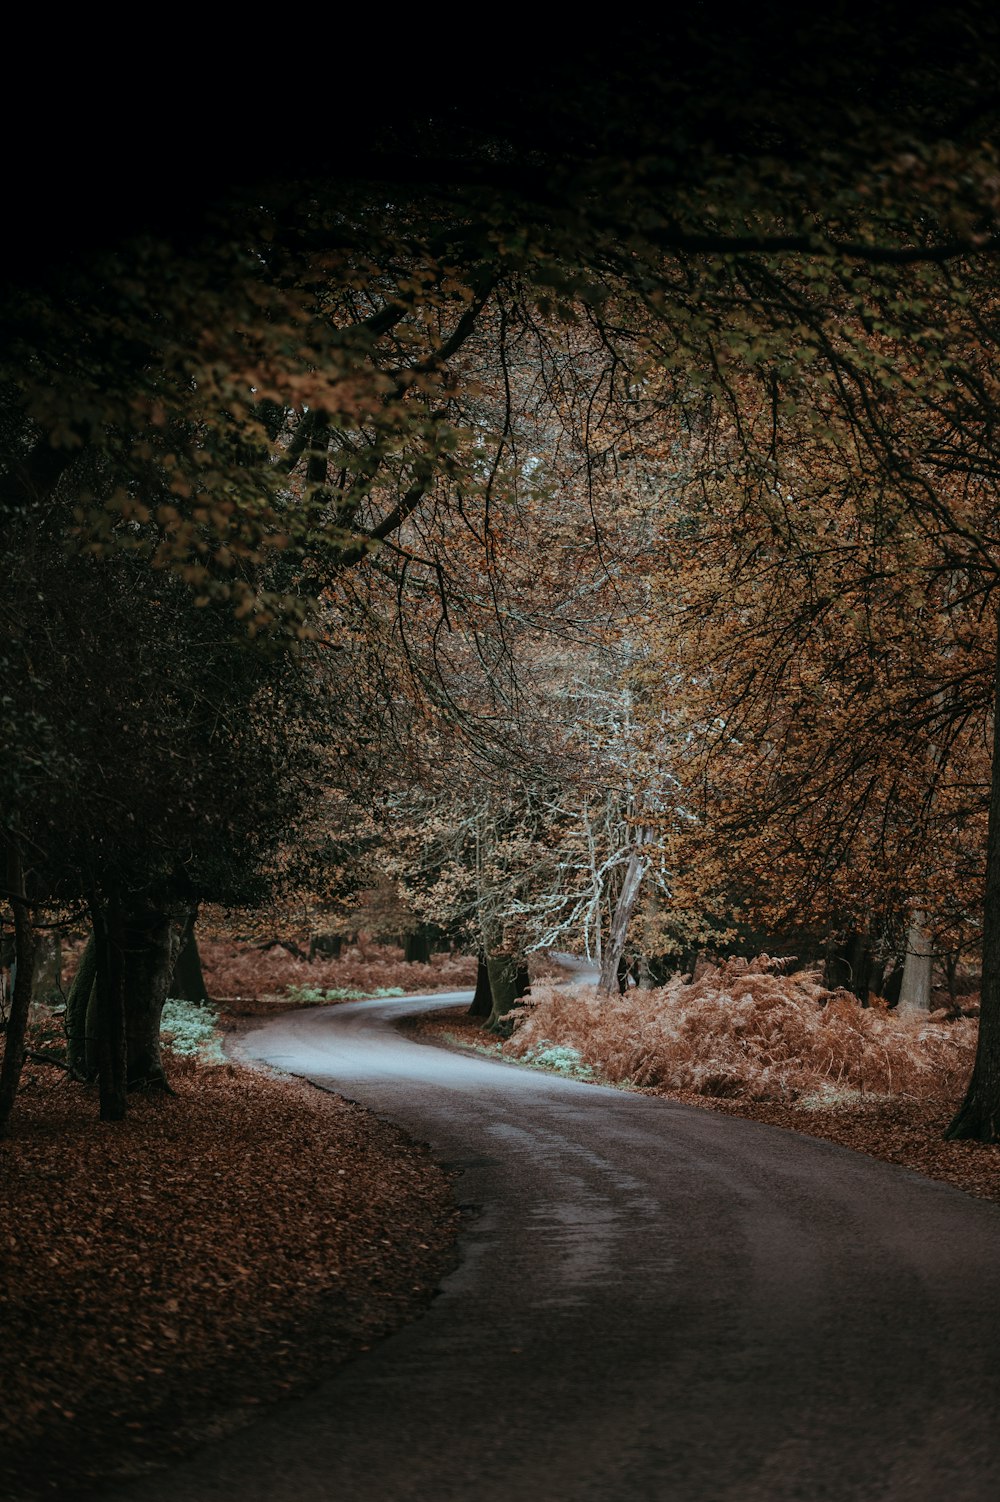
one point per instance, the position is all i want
(652, 1301)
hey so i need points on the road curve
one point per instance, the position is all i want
(654, 1304)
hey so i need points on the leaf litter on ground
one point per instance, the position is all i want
(220, 1248)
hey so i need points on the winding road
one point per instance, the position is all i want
(654, 1304)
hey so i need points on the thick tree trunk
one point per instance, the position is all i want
(978, 1116)
(25, 948)
(188, 981)
(482, 1002)
(635, 870)
(151, 943)
(915, 991)
(77, 1003)
(106, 1018)
(508, 976)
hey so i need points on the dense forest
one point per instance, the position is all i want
(567, 515)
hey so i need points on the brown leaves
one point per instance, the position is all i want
(742, 1032)
(216, 1248)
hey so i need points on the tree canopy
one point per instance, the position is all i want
(336, 471)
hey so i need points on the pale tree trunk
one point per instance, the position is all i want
(25, 948)
(635, 870)
(915, 992)
(978, 1116)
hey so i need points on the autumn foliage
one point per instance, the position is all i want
(743, 1030)
(247, 972)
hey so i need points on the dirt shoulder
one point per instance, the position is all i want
(221, 1249)
(907, 1132)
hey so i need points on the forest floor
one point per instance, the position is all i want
(222, 1248)
(155, 1296)
(897, 1130)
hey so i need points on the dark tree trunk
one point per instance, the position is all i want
(25, 949)
(509, 981)
(417, 946)
(482, 1002)
(327, 945)
(106, 1018)
(77, 1003)
(151, 943)
(851, 965)
(46, 986)
(862, 966)
(978, 1116)
(188, 982)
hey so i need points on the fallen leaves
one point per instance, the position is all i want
(217, 1249)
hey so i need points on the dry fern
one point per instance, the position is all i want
(740, 1029)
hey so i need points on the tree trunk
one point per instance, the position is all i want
(646, 979)
(508, 977)
(635, 870)
(152, 940)
(482, 1002)
(188, 981)
(46, 985)
(328, 945)
(862, 966)
(106, 1018)
(417, 946)
(915, 992)
(978, 1116)
(25, 948)
(77, 1004)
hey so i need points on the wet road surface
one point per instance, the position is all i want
(654, 1304)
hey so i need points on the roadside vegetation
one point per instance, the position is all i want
(245, 978)
(741, 1030)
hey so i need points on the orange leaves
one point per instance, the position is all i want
(742, 1031)
(114, 1321)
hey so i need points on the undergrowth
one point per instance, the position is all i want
(244, 971)
(313, 995)
(192, 1030)
(740, 1030)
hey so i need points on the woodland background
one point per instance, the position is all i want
(463, 505)
(560, 515)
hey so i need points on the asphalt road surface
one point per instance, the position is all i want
(653, 1302)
